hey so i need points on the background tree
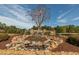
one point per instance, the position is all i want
(40, 15)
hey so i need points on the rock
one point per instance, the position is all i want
(33, 42)
(8, 45)
(20, 43)
(26, 41)
(39, 43)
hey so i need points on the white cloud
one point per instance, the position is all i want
(18, 11)
(64, 14)
(62, 21)
(10, 21)
(61, 18)
(15, 15)
(77, 18)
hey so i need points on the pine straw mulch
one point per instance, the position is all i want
(66, 47)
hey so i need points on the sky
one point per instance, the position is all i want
(60, 14)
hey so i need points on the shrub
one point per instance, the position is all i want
(3, 37)
(73, 41)
(27, 33)
(47, 33)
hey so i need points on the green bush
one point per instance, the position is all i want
(3, 37)
(73, 41)
(47, 33)
(27, 33)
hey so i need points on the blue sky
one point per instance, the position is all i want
(17, 14)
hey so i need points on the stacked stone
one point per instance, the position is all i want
(19, 43)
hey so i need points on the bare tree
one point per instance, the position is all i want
(39, 15)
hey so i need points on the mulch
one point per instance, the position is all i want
(3, 43)
(33, 38)
(66, 47)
